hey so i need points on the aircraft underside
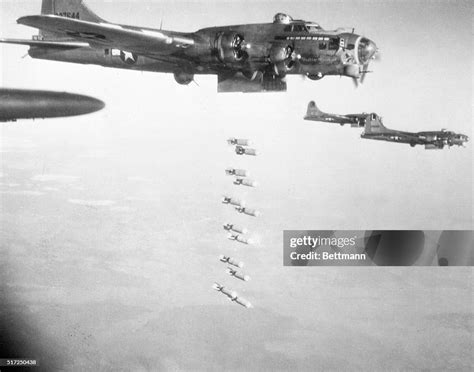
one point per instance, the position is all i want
(229, 80)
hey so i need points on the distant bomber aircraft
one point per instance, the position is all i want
(374, 129)
(355, 120)
(37, 104)
(247, 57)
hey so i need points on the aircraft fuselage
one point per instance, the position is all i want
(313, 53)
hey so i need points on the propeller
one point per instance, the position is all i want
(283, 58)
(239, 45)
(365, 68)
(364, 72)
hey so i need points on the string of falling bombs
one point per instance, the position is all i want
(237, 233)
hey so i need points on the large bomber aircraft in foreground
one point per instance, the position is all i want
(247, 57)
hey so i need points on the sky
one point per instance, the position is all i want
(111, 222)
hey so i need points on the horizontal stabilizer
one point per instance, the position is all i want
(46, 44)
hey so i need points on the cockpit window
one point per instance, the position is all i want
(367, 50)
(295, 28)
(314, 28)
(323, 45)
(333, 44)
(299, 28)
(350, 46)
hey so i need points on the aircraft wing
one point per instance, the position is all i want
(144, 41)
(48, 44)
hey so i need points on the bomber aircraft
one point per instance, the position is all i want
(355, 120)
(245, 58)
(374, 129)
(18, 104)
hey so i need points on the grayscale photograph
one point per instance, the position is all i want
(236, 185)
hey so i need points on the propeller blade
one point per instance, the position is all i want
(364, 72)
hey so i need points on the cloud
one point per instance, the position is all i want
(121, 209)
(138, 179)
(95, 154)
(92, 203)
(54, 178)
(214, 340)
(141, 199)
(23, 192)
(11, 144)
(50, 189)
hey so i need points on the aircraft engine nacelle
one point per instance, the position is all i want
(283, 59)
(183, 78)
(230, 47)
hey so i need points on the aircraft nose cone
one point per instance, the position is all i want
(371, 50)
(367, 50)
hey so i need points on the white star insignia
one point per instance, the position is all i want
(128, 56)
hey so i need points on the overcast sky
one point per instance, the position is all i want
(111, 223)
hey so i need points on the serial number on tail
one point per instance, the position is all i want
(74, 15)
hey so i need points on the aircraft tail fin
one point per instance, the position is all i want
(313, 110)
(75, 9)
(374, 124)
